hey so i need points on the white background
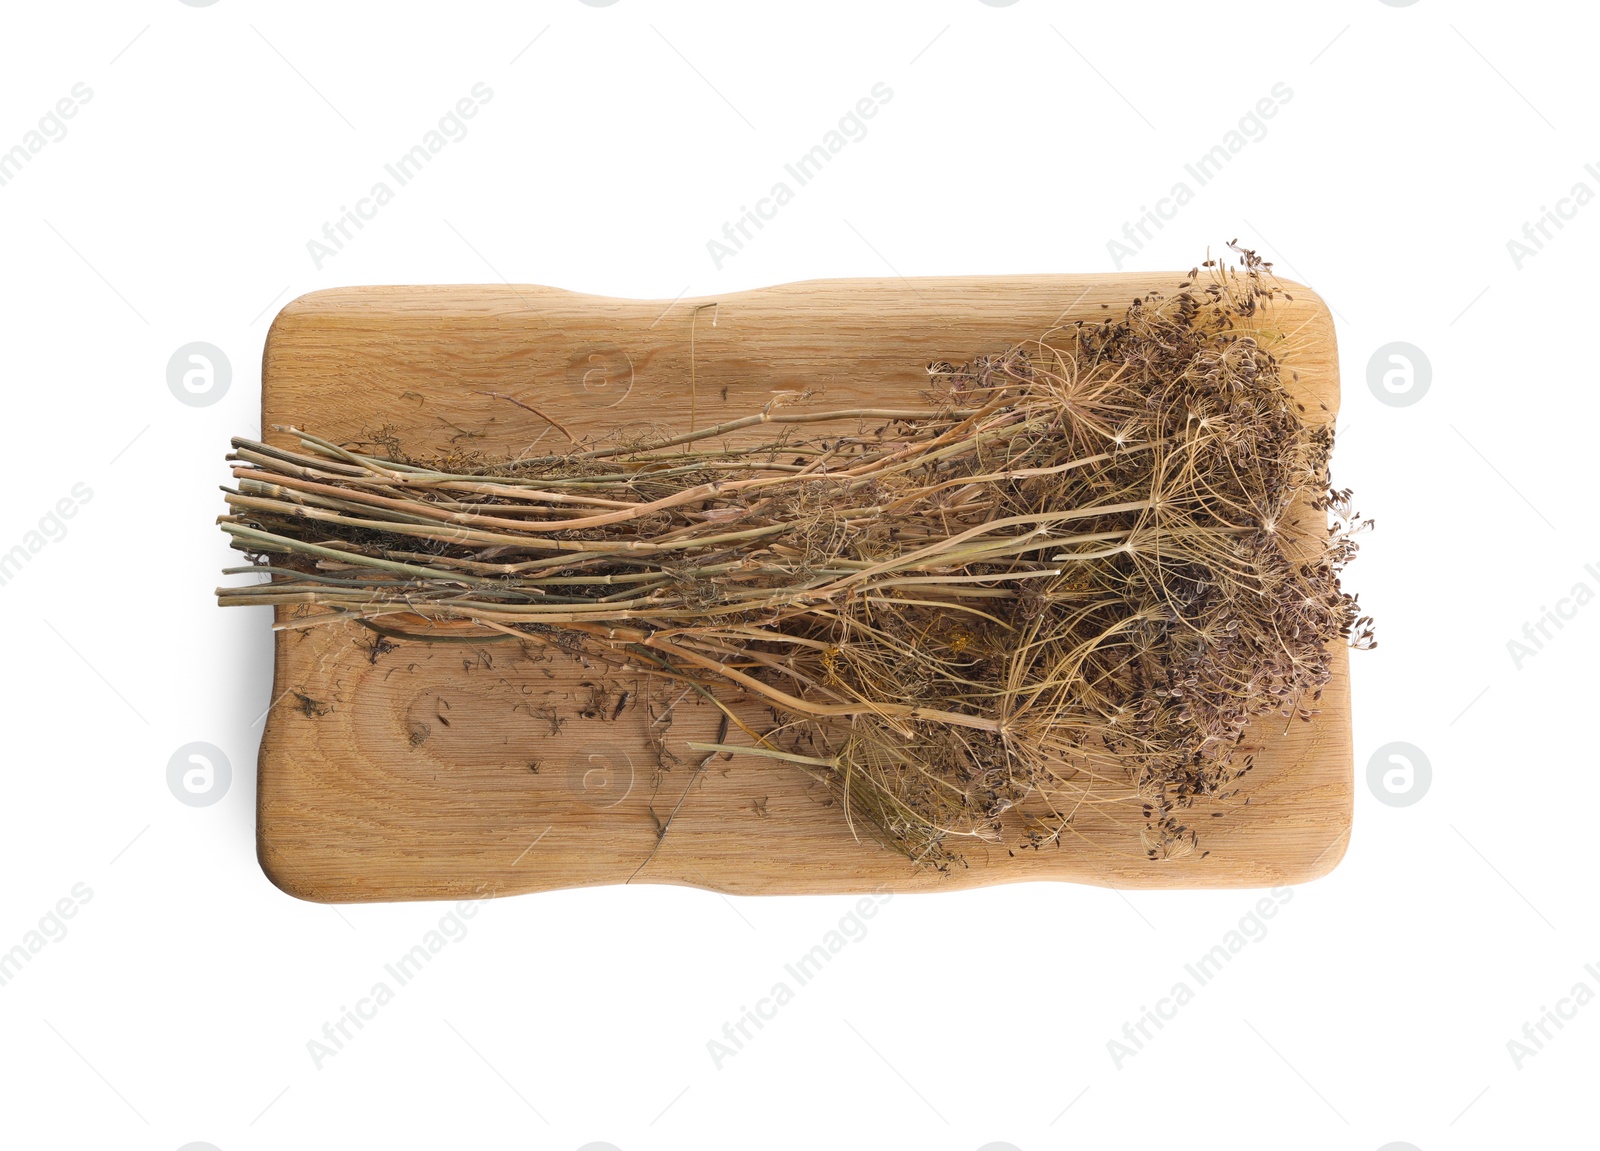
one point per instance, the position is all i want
(219, 140)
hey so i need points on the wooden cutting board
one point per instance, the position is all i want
(436, 771)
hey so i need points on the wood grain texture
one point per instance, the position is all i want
(410, 774)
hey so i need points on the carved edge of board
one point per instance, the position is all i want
(1333, 806)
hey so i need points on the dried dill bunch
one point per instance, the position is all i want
(1071, 579)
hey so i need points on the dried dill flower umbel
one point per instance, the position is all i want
(1071, 578)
